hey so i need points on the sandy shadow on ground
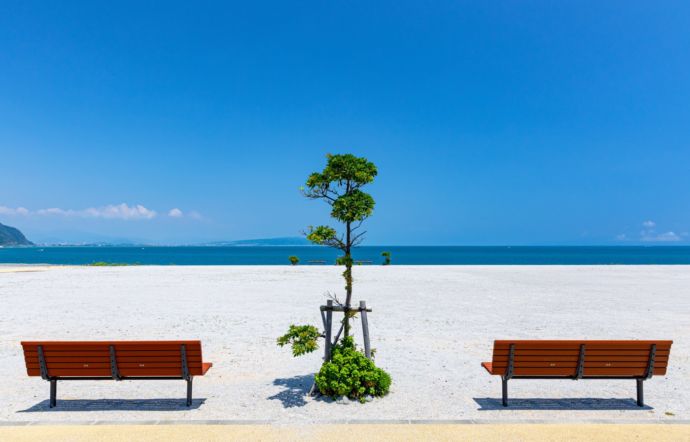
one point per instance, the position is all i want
(571, 404)
(295, 392)
(116, 405)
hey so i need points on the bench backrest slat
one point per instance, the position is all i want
(92, 358)
(560, 358)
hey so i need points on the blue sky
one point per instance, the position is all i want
(491, 122)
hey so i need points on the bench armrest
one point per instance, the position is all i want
(205, 367)
(488, 366)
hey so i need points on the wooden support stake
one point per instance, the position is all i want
(341, 308)
(365, 328)
(329, 326)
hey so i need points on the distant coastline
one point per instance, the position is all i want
(245, 254)
(260, 242)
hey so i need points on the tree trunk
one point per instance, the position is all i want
(348, 278)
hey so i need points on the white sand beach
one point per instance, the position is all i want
(431, 326)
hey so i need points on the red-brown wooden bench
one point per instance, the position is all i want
(119, 360)
(639, 360)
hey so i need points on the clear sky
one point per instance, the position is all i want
(520, 122)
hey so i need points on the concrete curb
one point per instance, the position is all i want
(353, 422)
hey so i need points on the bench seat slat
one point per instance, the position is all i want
(590, 352)
(79, 365)
(49, 346)
(105, 372)
(576, 348)
(618, 372)
(573, 365)
(53, 359)
(152, 355)
(597, 357)
(66, 372)
(98, 372)
(576, 342)
(120, 359)
(548, 362)
(175, 352)
(572, 371)
(48, 349)
(108, 343)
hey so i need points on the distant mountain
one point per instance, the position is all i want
(285, 241)
(68, 238)
(82, 238)
(9, 236)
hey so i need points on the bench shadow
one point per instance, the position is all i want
(115, 405)
(486, 404)
(295, 392)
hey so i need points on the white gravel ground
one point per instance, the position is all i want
(431, 326)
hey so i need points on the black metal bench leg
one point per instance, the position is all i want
(189, 391)
(505, 392)
(53, 393)
(640, 393)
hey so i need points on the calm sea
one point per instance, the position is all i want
(400, 255)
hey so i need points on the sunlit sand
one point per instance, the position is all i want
(432, 327)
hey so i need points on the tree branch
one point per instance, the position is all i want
(359, 224)
(336, 243)
(334, 298)
(357, 239)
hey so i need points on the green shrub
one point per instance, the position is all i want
(110, 264)
(350, 373)
(293, 260)
(302, 339)
(386, 258)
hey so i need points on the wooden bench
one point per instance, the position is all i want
(119, 360)
(638, 360)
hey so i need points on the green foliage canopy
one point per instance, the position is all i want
(302, 339)
(322, 235)
(339, 185)
(353, 206)
(342, 170)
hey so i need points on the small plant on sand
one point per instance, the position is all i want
(293, 260)
(386, 258)
(110, 264)
(302, 339)
(347, 372)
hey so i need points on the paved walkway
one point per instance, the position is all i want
(364, 432)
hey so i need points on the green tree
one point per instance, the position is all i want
(348, 372)
(293, 260)
(339, 185)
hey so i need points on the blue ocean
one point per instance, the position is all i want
(369, 255)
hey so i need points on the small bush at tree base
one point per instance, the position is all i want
(350, 373)
(111, 264)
